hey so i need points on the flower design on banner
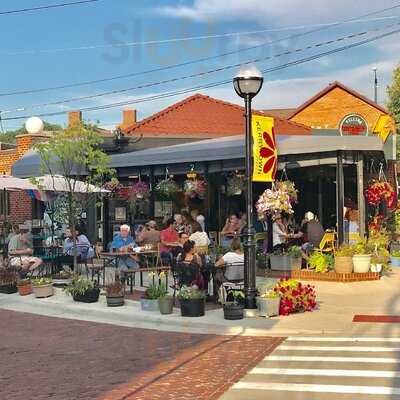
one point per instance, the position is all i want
(269, 153)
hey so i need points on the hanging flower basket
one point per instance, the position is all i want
(379, 191)
(114, 188)
(235, 185)
(277, 200)
(167, 188)
(195, 188)
(139, 191)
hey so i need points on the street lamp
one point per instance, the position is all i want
(247, 84)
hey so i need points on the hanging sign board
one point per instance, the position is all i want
(265, 155)
(352, 125)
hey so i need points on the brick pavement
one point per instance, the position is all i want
(45, 358)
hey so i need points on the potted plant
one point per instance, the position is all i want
(115, 294)
(344, 259)
(294, 253)
(166, 189)
(42, 287)
(362, 256)
(320, 262)
(149, 300)
(233, 310)
(395, 258)
(268, 304)
(195, 188)
(24, 287)
(165, 300)
(192, 301)
(286, 260)
(8, 281)
(295, 296)
(83, 290)
(279, 199)
(235, 185)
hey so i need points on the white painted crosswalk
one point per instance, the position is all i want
(325, 368)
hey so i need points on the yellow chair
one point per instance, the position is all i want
(328, 242)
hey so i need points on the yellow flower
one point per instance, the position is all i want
(162, 274)
(151, 274)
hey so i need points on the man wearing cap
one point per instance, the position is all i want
(20, 250)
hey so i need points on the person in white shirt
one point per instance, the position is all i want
(199, 237)
(234, 260)
(279, 233)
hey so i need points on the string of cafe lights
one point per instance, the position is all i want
(215, 84)
(199, 74)
(199, 60)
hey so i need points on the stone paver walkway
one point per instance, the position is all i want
(45, 358)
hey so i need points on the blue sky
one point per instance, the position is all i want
(39, 50)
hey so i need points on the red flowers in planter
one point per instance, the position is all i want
(295, 297)
(380, 191)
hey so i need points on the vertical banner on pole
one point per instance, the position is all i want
(265, 154)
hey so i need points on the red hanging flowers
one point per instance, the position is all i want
(380, 191)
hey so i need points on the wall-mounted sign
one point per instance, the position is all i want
(352, 125)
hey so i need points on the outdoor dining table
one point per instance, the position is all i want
(146, 253)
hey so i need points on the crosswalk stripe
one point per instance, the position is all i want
(333, 359)
(302, 387)
(325, 372)
(340, 339)
(339, 348)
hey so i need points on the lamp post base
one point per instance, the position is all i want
(250, 299)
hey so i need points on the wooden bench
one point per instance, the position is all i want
(131, 275)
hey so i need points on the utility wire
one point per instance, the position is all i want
(215, 84)
(199, 60)
(199, 74)
(47, 7)
(189, 38)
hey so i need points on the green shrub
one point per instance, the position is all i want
(294, 252)
(79, 286)
(320, 262)
(345, 250)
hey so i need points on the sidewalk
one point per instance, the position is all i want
(338, 304)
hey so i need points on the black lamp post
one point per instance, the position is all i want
(247, 84)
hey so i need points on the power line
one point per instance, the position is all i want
(215, 84)
(47, 7)
(199, 60)
(189, 38)
(199, 74)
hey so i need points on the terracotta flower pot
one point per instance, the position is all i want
(25, 289)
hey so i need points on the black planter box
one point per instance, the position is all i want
(233, 311)
(91, 296)
(8, 289)
(192, 307)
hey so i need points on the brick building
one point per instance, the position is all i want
(19, 205)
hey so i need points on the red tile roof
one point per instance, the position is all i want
(332, 86)
(204, 116)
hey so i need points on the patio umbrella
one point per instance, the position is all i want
(58, 183)
(10, 183)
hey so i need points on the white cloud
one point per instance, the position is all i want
(269, 11)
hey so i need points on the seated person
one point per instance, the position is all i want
(233, 260)
(279, 232)
(123, 242)
(230, 230)
(84, 249)
(198, 218)
(20, 250)
(311, 232)
(169, 240)
(183, 238)
(149, 235)
(199, 237)
(188, 267)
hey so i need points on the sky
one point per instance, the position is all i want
(109, 38)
